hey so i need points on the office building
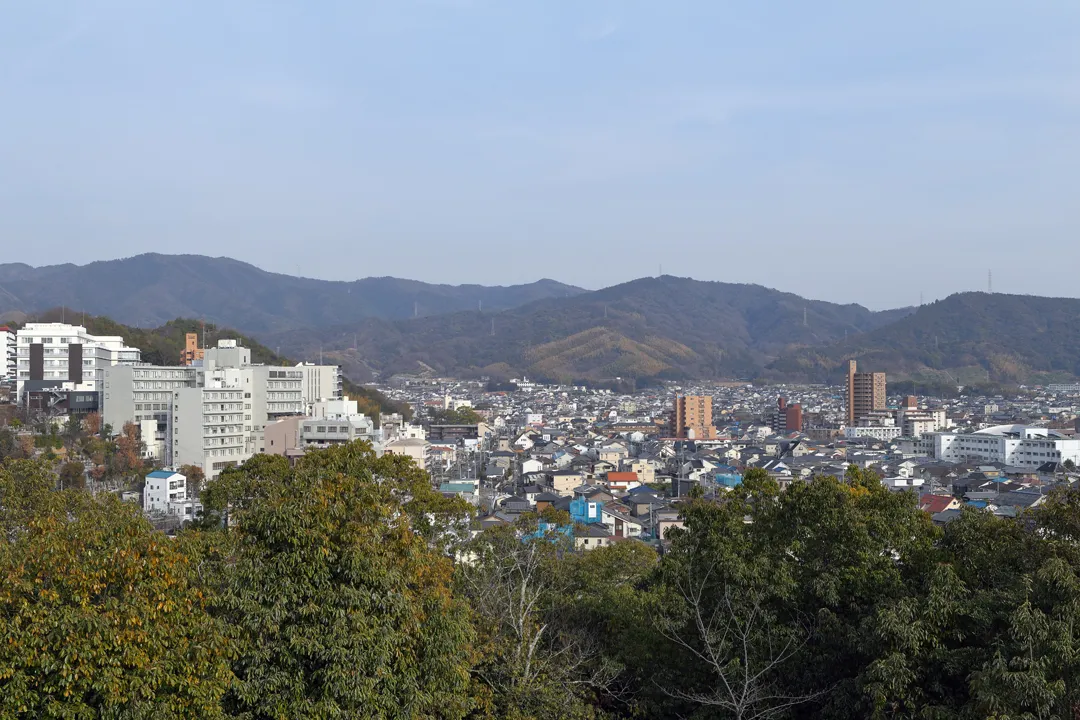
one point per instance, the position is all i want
(865, 393)
(691, 418)
(61, 358)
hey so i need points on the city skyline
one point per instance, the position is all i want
(463, 141)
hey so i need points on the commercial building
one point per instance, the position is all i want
(865, 393)
(691, 418)
(61, 358)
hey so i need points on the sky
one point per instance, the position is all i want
(871, 152)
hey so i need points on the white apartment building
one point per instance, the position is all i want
(318, 382)
(8, 357)
(67, 357)
(207, 429)
(1016, 445)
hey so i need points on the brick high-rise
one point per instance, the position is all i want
(691, 418)
(865, 393)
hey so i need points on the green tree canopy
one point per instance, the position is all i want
(338, 596)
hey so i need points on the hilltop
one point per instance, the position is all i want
(149, 290)
(665, 327)
(965, 338)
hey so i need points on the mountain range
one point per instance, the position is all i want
(647, 329)
(149, 290)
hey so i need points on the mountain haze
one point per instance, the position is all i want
(149, 290)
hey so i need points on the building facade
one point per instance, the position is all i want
(865, 393)
(8, 355)
(691, 418)
(62, 357)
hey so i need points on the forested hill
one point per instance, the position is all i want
(966, 337)
(148, 290)
(665, 327)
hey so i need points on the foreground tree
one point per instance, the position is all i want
(100, 616)
(340, 603)
(548, 617)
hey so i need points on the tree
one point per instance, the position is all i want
(1069, 465)
(92, 423)
(195, 478)
(101, 614)
(339, 600)
(460, 416)
(72, 476)
(546, 616)
(128, 457)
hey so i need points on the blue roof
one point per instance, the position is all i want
(457, 487)
(162, 474)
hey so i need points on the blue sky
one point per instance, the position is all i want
(848, 151)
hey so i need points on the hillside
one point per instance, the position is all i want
(149, 290)
(966, 337)
(663, 327)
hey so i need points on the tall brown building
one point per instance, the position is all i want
(865, 393)
(191, 351)
(692, 418)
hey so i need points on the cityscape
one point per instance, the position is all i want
(559, 360)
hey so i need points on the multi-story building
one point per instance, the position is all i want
(62, 357)
(175, 406)
(319, 382)
(143, 394)
(785, 418)
(207, 428)
(865, 393)
(1016, 445)
(191, 353)
(8, 362)
(691, 418)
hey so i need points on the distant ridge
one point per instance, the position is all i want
(651, 328)
(149, 290)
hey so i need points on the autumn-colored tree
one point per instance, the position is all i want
(26, 446)
(100, 614)
(128, 458)
(195, 477)
(92, 423)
